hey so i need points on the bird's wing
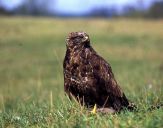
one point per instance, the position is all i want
(103, 73)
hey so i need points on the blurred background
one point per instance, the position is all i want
(84, 8)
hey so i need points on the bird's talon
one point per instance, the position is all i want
(94, 110)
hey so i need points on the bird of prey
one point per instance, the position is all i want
(88, 77)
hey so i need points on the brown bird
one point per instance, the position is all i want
(89, 78)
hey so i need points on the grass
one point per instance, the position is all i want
(31, 78)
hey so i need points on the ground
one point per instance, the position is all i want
(31, 74)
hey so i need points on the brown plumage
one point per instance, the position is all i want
(88, 77)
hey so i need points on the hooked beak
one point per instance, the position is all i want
(85, 38)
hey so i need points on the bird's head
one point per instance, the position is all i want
(77, 40)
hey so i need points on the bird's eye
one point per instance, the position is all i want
(78, 38)
(81, 36)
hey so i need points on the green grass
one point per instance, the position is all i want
(31, 78)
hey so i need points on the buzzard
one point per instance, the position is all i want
(88, 77)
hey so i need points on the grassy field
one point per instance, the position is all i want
(31, 78)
